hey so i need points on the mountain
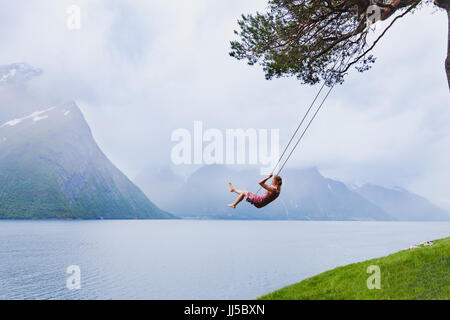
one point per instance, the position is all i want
(402, 204)
(159, 183)
(306, 195)
(50, 165)
(315, 197)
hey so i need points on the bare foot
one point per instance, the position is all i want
(232, 206)
(231, 187)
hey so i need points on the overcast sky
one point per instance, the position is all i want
(141, 69)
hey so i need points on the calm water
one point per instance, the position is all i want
(187, 259)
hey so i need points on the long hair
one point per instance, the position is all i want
(278, 181)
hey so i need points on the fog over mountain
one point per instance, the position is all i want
(306, 195)
(50, 165)
(402, 204)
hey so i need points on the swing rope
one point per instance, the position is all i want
(298, 128)
(306, 129)
(323, 101)
(303, 120)
(306, 114)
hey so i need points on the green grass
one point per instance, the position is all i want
(422, 273)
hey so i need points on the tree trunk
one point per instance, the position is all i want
(445, 4)
(447, 61)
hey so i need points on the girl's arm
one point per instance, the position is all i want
(263, 184)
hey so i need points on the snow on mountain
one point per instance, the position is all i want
(35, 116)
(17, 73)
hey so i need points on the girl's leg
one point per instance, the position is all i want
(239, 199)
(232, 189)
(242, 195)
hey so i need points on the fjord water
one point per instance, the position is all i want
(187, 259)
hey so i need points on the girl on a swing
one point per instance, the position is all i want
(271, 194)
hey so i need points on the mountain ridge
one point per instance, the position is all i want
(306, 195)
(404, 203)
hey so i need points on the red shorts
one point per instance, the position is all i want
(254, 199)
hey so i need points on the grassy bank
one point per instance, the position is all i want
(419, 273)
